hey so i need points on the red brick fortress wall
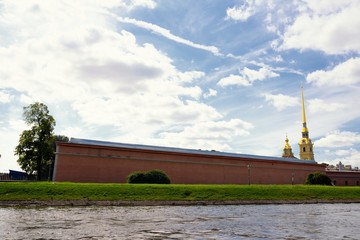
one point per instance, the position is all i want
(344, 178)
(107, 164)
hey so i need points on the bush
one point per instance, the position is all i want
(153, 176)
(136, 177)
(157, 176)
(318, 179)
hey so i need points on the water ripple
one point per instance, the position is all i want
(312, 221)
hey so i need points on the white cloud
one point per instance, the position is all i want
(167, 34)
(75, 60)
(119, 66)
(10, 131)
(17, 125)
(344, 74)
(318, 106)
(234, 80)
(210, 93)
(144, 115)
(343, 152)
(247, 77)
(280, 101)
(73, 131)
(338, 139)
(210, 135)
(243, 12)
(137, 3)
(190, 76)
(277, 58)
(87, 61)
(324, 25)
(328, 26)
(5, 97)
(325, 7)
(261, 74)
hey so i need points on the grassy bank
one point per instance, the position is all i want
(15, 191)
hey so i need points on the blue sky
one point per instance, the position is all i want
(214, 75)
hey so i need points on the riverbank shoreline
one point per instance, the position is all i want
(91, 194)
(127, 203)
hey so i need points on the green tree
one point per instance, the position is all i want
(36, 146)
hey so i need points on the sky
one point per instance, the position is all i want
(211, 75)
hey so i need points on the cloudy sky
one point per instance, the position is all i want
(214, 75)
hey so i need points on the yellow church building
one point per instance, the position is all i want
(305, 143)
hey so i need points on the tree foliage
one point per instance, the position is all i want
(36, 146)
(153, 176)
(318, 178)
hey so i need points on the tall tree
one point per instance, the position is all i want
(35, 149)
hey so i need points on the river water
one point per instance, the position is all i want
(308, 221)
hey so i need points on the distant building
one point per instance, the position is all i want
(13, 175)
(341, 167)
(18, 175)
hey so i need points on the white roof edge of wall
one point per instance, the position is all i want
(184, 150)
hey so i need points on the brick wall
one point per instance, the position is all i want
(91, 163)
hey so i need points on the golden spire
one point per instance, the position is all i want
(304, 129)
(287, 145)
(305, 144)
(303, 105)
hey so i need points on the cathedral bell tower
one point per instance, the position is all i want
(305, 144)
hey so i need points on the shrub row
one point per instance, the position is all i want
(159, 177)
(153, 176)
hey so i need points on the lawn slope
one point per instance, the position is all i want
(47, 191)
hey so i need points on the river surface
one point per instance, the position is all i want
(308, 221)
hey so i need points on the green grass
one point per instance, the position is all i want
(79, 191)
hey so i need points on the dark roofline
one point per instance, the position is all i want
(183, 150)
